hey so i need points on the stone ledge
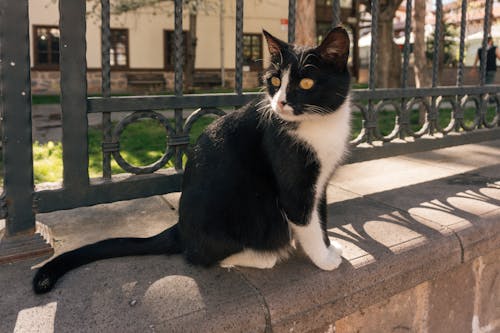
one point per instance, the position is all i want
(387, 250)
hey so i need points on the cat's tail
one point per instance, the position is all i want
(166, 242)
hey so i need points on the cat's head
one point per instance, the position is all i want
(307, 82)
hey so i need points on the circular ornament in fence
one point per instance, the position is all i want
(447, 109)
(491, 116)
(129, 135)
(418, 110)
(199, 120)
(470, 112)
(358, 116)
(387, 112)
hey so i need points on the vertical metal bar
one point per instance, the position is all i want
(437, 42)
(106, 86)
(457, 112)
(335, 13)
(463, 23)
(179, 48)
(73, 65)
(222, 42)
(238, 79)
(16, 123)
(486, 28)
(406, 48)
(292, 9)
(431, 118)
(179, 62)
(403, 116)
(373, 46)
(368, 124)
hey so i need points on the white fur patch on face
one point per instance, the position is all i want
(283, 111)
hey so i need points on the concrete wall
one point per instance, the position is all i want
(465, 299)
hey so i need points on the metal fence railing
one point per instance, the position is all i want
(20, 203)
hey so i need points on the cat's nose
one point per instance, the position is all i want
(283, 103)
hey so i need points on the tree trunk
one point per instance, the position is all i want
(389, 54)
(305, 26)
(421, 69)
(190, 52)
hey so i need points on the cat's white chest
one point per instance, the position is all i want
(328, 138)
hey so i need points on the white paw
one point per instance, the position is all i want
(337, 247)
(331, 259)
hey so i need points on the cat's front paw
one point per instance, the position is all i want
(332, 258)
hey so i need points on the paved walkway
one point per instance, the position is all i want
(421, 213)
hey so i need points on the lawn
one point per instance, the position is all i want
(143, 143)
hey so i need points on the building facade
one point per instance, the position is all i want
(142, 48)
(142, 51)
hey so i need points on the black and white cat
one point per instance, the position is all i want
(257, 177)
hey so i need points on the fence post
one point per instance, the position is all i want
(21, 237)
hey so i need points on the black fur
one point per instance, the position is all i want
(246, 177)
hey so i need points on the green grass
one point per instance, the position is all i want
(45, 99)
(141, 143)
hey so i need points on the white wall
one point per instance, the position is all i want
(146, 28)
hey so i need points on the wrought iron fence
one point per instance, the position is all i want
(20, 202)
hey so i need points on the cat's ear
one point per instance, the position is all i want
(274, 44)
(335, 47)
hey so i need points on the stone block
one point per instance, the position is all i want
(479, 235)
(451, 301)
(487, 293)
(404, 312)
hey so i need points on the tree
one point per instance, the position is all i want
(389, 54)
(192, 6)
(305, 27)
(447, 54)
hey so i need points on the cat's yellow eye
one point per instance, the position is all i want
(306, 84)
(275, 81)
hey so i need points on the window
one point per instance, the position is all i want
(118, 51)
(252, 51)
(169, 48)
(46, 46)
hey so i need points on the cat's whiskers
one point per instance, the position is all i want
(317, 109)
(261, 101)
